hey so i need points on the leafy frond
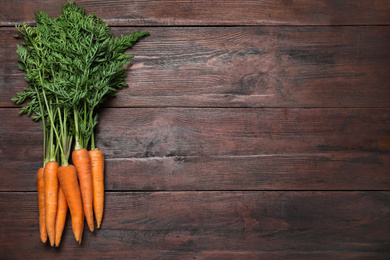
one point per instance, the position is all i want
(73, 64)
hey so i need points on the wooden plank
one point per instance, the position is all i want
(196, 149)
(243, 67)
(275, 172)
(183, 224)
(159, 132)
(261, 67)
(151, 132)
(217, 255)
(334, 171)
(272, 67)
(217, 12)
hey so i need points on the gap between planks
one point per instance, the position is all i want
(221, 107)
(33, 23)
(214, 190)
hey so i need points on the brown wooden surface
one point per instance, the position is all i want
(151, 132)
(216, 12)
(232, 148)
(334, 171)
(155, 225)
(244, 67)
(249, 130)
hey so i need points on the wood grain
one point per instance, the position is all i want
(249, 130)
(334, 171)
(217, 12)
(243, 67)
(217, 255)
(201, 224)
(152, 132)
(276, 172)
(158, 132)
(220, 149)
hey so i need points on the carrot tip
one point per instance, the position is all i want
(91, 227)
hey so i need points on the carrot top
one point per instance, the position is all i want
(73, 64)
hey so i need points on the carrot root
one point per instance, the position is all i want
(82, 162)
(68, 180)
(51, 198)
(97, 167)
(41, 205)
(62, 210)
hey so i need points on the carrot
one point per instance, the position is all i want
(62, 210)
(82, 162)
(51, 194)
(41, 205)
(97, 167)
(68, 180)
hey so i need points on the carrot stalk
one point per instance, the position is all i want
(97, 167)
(41, 205)
(62, 210)
(51, 197)
(82, 162)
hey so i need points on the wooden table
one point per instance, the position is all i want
(249, 130)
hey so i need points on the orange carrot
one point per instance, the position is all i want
(51, 194)
(62, 210)
(97, 167)
(82, 162)
(68, 180)
(41, 205)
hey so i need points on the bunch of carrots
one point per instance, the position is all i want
(72, 64)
